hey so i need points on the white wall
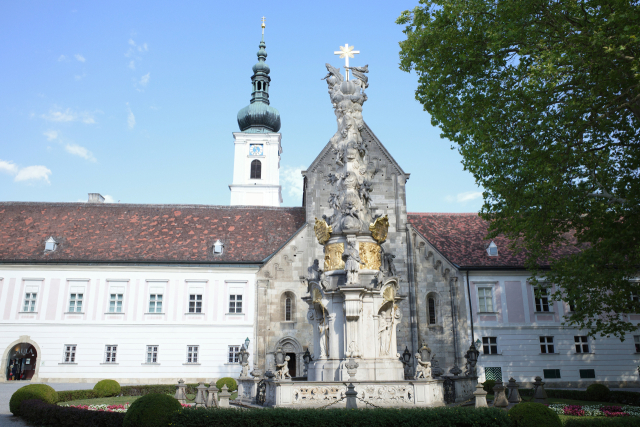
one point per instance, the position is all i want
(51, 326)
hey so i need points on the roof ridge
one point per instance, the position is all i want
(443, 213)
(148, 205)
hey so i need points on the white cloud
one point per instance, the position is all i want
(33, 173)
(80, 151)
(8, 167)
(291, 178)
(464, 197)
(61, 58)
(58, 115)
(145, 79)
(131, 119)
(135, 51)
(79, 57)
(51, 135)
(132, 64)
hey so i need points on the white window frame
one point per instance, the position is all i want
(69, 353)
(636, 341)
(76, 299)
(234, 301)
(544, 296)
(30, 301)
(197, 302)
(155, 301)
(110, 353)
(490, 345)
(492, 246)
(118, 302)
(580, 342)
(152, 354)
(193, 354)
(233, 356)
(481, 308)
(548, 341)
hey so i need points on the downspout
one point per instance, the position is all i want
(454, 323)
(412, 294)
(473, 338)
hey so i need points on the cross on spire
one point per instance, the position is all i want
(346, 52)
(263, 19)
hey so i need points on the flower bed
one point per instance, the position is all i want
(595, 410)
(110, 408)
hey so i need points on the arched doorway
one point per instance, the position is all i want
(293, 349)
(21, 362)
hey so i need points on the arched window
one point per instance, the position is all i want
(256, 169)
(259, 85)
(287, 309)
(432, 310)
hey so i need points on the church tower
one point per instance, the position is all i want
(256, 167)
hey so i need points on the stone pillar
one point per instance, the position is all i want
(539, 395)
(212, 396)
(352, 394)
(181, 394)
(499, 398)
(481, 397)
(224, 397)
(514, 394)
(200, 397)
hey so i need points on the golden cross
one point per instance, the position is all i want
(346, 52)
(263, 25)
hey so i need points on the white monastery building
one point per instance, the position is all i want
(154, 293)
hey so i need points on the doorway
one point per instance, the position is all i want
(291, 364)
(21, 364)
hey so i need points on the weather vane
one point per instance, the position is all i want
(345, 52)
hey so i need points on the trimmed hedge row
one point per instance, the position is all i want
(435, 417)
(131, 390)
(41, 392)
(41, 413)
(620, 397)
(602, 422)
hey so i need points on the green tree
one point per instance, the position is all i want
(542, 99)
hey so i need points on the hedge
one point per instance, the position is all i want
(133, 390)
(152, 410)
(41, 392)
(531, 414)
(231, 384)
(602, 422)
(621, 397)
(432, 417)
(40, 413)
(107, 388)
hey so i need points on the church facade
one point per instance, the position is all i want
(154, 293)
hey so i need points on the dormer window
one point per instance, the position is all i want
(492, 250)
(50, 245)
(218, 247)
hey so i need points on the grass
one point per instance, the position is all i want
(121, 400)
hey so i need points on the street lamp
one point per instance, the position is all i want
(406, 355)
(246, 343)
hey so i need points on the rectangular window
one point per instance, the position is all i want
(485, 300)
(110, 353)
(572, 306)
(115, 303)
(234, 354)
(490, 345)
(192, 354)
(235, 303)
(30, 301)
(75, 303)
(432, 310)
(195, 303)
(636, 339)
(69, 353)
(546, 345)
(155, 303)
(493, 374)
(541, 298)
(587, 373)
(152, 354)
(582, 345)
(551, 373)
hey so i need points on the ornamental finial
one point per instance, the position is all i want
(346, 52)
(263, 25)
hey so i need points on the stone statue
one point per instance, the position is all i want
(283, 370)
(324, 339)
(423, 357)
(315, 272)
(389, 268)
(352, 261)
(385, 336)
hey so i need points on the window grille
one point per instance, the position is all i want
(587, 373)
(493, 374)
(155, 303)
(582, 345)
(69, 353)
(234, 354)
(432, 311)
(256, 169)
(192, 354)
(152, 354)
(235, 303)
(485, 299)
(110, 353)
(287, 309)
(30, 301)
(546, 345)
(195, 303)
(541, 298)
(490, 345)
(75, 303)
(551, 373)
(115, 303)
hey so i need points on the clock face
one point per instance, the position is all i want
(255, 149)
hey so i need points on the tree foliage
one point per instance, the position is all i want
(542, 99)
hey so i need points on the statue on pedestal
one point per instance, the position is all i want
(282, 372)
(244, 361)
(323, 330)
(352, 261)
(314, 272)
(384, 333)
(423, 357)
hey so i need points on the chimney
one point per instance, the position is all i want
(96, 198)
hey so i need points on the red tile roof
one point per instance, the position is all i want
(143, 233)
(461, 238)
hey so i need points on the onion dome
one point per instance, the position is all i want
(259, 116)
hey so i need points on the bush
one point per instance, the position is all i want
(132, 390)
(152, 410)
(32, 391)
(230, 382)
(530, 414)
(488, 386)
(432, 417)
(598, 393)
(602, 422)
(69, 395)
(40, 413)
(107, 388)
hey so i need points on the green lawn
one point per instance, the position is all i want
(121, 400)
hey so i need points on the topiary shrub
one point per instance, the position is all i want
(488, 386)
(151, 410)
(530, 414)
(230, 382)
(598, 393)
(32, 391)
(107, 388)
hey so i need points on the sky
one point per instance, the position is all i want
(137, 100)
